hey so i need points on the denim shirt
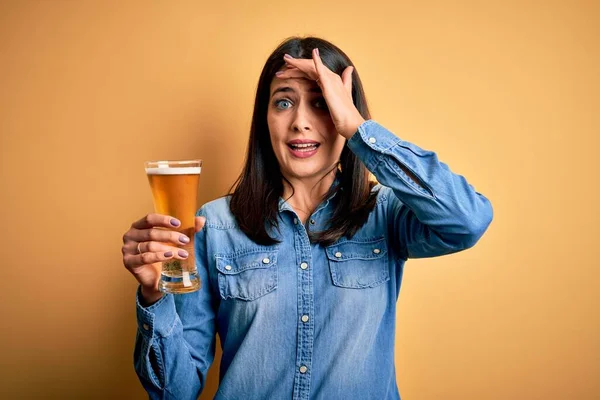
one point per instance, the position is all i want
(299, 320)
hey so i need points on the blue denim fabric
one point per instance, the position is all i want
(300, 320)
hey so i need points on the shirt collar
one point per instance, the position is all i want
(283, 205)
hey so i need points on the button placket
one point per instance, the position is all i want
(305, 293)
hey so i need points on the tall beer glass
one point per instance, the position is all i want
(174, 186)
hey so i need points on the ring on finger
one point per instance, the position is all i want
(138, 248)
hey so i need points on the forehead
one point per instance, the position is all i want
(298, 85)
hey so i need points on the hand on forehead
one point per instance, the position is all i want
(301, 68)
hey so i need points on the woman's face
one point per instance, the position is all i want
(303, 136)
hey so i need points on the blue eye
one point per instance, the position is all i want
(283, 104)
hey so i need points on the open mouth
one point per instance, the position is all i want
(304, 147)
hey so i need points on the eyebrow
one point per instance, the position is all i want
(286, 89)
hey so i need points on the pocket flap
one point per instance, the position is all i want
(232, 264)
(357, 250)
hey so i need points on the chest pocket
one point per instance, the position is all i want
(358, 264)
(247, 275)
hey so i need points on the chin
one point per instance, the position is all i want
(306, 173)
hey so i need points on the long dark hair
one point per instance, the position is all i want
(256, 192)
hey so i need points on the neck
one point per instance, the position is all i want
(307, 193)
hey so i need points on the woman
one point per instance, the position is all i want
(302, 265)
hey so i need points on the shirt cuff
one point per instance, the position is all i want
(157, 319)
(370, 141)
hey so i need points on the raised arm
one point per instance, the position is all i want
(432, 210)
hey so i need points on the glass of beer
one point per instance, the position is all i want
(174, 186)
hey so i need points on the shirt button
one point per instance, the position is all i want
(372, 140)
(304, 265)
(265, 260)
(295, 221)
(338, 254)
(228, 267)
(312, 221)
(303, 369)
(304, 318)
(146, 327)
(376, 251)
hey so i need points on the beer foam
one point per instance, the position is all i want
(174, 171)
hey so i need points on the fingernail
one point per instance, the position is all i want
(317, 50)
(169, 254)
(279, 73)
(182, 253)
(175, 222)
(184, 239)
(287, 56)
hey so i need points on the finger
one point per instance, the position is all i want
(135, 248)
(318, 63)
(152, 220)
(130, 247)
(303, 65)
(156, 235)
(136, 260)
(200, 221)
(157, 247)
(153, 252)
(292, 73)
(347, 78)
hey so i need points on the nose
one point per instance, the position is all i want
(301, 121)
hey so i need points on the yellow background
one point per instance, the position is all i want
(506, 92)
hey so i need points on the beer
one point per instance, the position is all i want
(174, 186)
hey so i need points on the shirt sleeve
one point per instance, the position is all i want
(440, 214)
(175, 341)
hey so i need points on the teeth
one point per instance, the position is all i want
(304, 145)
